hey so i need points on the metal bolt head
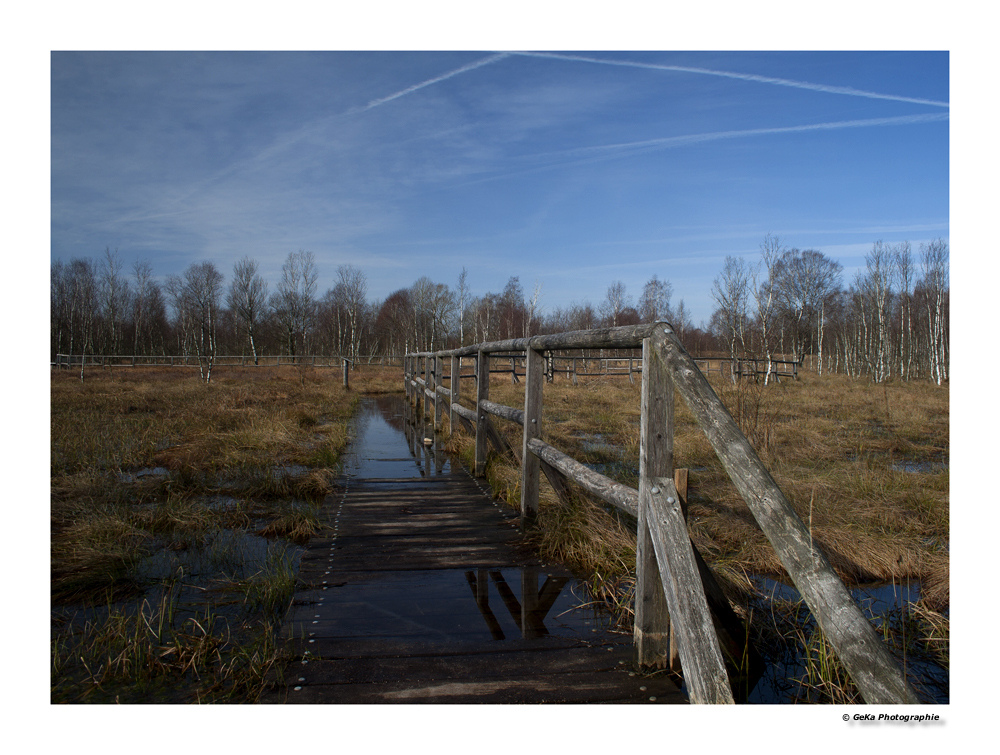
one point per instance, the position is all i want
(654, 490)
(671, 499)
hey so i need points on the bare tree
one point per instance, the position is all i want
(294, 303)
(200, 295)
(764, 285)
(353, 288)
(730, 291)
(654, 305)
(247, 299)
(903, 259)
(462, 294)
(616, 301)
(875, 286)
(114, 297)
(532, 309)
(803, 283)
(934, 263)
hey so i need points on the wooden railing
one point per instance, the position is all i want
(673, 587)
(575, 367)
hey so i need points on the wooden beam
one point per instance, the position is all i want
(866, 658)
(482, 420)
(703, 667)
(656, 459)
(532, 427)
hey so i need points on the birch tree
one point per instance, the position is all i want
(294, 303)
(247, 299)
(353, 288)
(201, 294)
(654, 304)
(764, 290)
(114, 297)
(730, 291)
(616, 301)
(934, 263)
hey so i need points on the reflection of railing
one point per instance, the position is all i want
(529, 613)
(669, 578)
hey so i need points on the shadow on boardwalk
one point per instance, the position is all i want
(419, 590)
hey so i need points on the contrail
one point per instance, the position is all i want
(604, 152)
(471, 66)
(734, 75)
(673, 141)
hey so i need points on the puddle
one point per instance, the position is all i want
(451, 605)
(144, 474)
(387, 445)
(232, 554)
(879, 602)
(920, 467)
(442, 605)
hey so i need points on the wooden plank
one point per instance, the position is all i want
(501, 410)
(656, 459)
(701, 658)
(482, 420)
(864, 655)
(532, 428)
(525, 689)
(621, 496)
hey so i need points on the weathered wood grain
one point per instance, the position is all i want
(532, 427)
(656, 459)
(877, 676)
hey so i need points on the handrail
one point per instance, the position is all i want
(665, 557)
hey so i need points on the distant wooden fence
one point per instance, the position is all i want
(574, 367)
(192, 360)
(674, 590)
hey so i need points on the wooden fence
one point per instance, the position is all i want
(675, 594)
(574, 367)
(192, 360)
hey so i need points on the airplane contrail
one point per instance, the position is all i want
(734, 75)
(470, 67)
(671, 141)
(604, 152)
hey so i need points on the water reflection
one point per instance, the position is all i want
(529, 613)
(501, 604)
(389, 443)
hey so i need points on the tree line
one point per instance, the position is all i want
(891, 321)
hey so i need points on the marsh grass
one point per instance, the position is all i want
(837, 447)
(162, 491)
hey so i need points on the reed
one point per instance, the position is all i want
(152, 466)
(864, 465)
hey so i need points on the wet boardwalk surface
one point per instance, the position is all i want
(419, 591)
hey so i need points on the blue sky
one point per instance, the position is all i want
(568, 169)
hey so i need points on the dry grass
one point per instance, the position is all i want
(151, 460)
(842, 451)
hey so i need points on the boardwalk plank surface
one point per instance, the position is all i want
(420, 590)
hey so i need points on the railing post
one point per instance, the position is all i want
(438, 406)
(482, 394)
(431, 386)
(534, 380)
(656, 459)
(454, 382)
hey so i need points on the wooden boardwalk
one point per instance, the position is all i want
(420, 591)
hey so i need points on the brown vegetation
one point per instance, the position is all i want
(865, 466)
(154, 466)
